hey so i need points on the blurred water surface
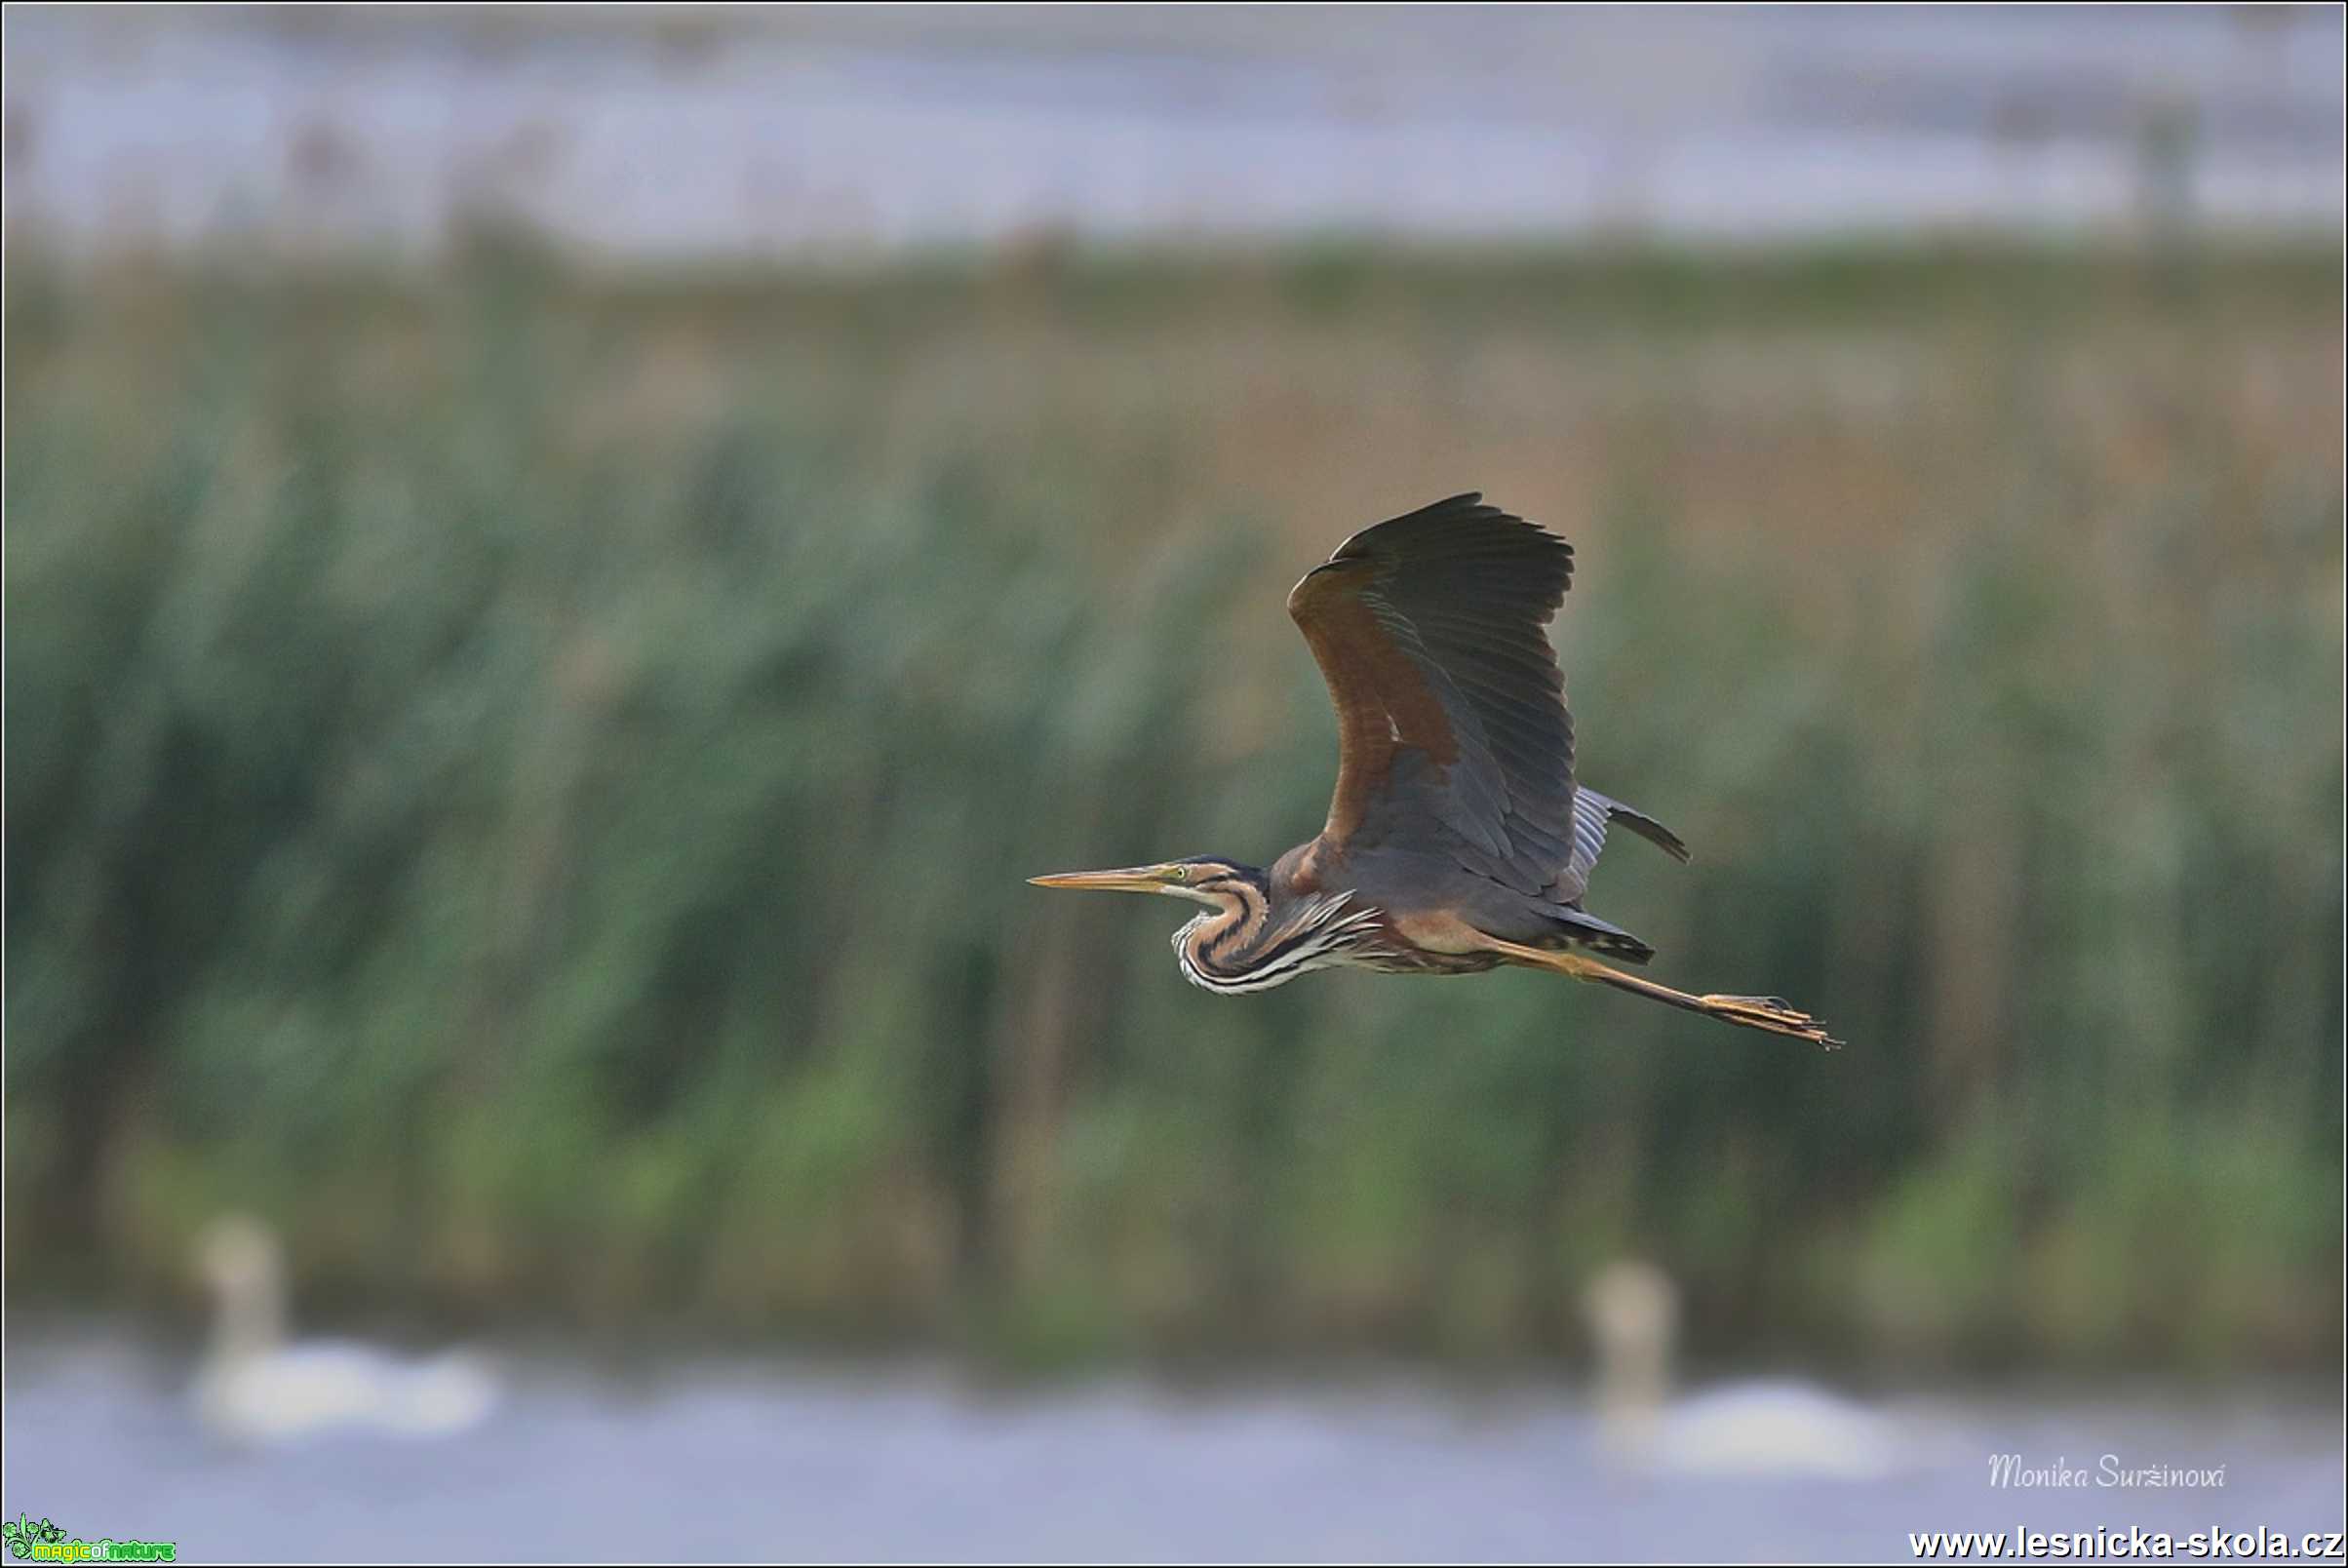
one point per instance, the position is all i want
(743, 1459)
(839, 130)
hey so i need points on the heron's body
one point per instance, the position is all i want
(1458, 839)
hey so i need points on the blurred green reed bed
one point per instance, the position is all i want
(525, 779)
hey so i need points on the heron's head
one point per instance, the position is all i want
(1202, 879)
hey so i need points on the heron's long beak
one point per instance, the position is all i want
(1130, 880)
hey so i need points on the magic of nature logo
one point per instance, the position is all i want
(45, 1541)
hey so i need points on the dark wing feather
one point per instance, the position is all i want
(1452, 728)
(1592, 811)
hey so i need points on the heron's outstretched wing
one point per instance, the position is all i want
(1452, 728)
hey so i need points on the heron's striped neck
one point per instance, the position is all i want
(1239, 946)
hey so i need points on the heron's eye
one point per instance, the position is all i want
(1180, 873)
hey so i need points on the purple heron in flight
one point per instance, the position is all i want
(1458, 840)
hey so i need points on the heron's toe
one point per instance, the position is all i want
(1775, 1014)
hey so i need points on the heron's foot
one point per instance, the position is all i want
(1775, 1014)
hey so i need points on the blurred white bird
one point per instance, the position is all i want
(254, 1388)
(1758, 1428)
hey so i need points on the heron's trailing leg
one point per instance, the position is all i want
(1770, 1013)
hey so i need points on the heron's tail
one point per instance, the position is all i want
(1600, 936)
